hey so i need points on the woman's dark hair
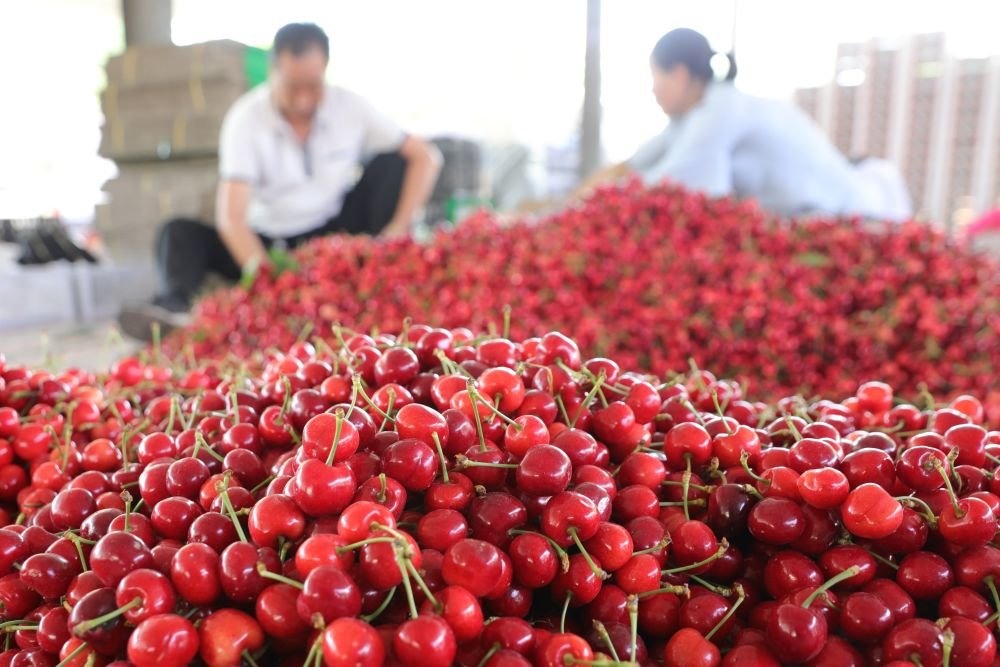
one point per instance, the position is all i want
(298, 38)
(687, 47)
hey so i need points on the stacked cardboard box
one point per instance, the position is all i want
(163, 108)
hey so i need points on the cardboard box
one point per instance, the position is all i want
(161, 64)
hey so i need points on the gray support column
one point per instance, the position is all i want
(147, 22)
(590, 130)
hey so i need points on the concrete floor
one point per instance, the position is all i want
(92, 346)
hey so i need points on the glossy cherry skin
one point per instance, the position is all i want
(870, 512)
(194, 572)
(689, 648)
(545, 470)
(118, 553)
(47, 574)
(276, 609)
(167, 640)
(237, 570)
(974, 645)
(796, 634)
(349, 642)
(460, 609)
(864, 617)
(776, 521)
(225, 634)
(534, 560)
(152, 588)
(328, 593)
(924, 575)
(425, 640)
(914, 637)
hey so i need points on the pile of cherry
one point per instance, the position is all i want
(653, 277)
(435, 498)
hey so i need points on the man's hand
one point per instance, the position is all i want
(396, 228)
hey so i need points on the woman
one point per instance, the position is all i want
(724, 142)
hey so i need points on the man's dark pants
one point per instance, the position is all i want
(187, 250)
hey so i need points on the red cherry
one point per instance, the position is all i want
(424, 641)
(348, 642)
(474, 565)
(545, 470)
(689, 648)
(225, 634)
(166, 639)
(870, 512)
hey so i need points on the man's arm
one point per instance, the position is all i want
(423, 163)
(231, 203)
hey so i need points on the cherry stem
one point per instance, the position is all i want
(479, 398)
(313, 652)
(991, 585)
(506, 321)
(852, 571)
(562, 408)
(77, 542)
(632, 603)
(371, 540)
(697, 502)
(464, 462)
(423, 585)
(392, 404)
(77, 651)
(951, 490)
(602, 632)
(86, 626)
(685, 485)
(793, 428)
(740, 597)
(882, 559)
(246, 655)
(336, 437)
(563, 556)
(489, 654)
(745, 462)
(588, 398)
(223, 488)
(200, 443)
(285, 401)
(565, 609)
(698, 487)
(752, 491)
(20, 626)
(382, 607)
(401, 563)
(947, 645)
(715, 588)
(601, 574)
(697, 413)
(676, 590)
(441, 457)
(479, 422)
(928, 513)
(721, 412)
(662, 544)
(264, 482)
(361, 392)
(723, 546)
(280, 578)
(993, 458)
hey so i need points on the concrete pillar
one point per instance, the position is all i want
(590, 130)
(147, 22)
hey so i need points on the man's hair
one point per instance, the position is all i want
(299, 38)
